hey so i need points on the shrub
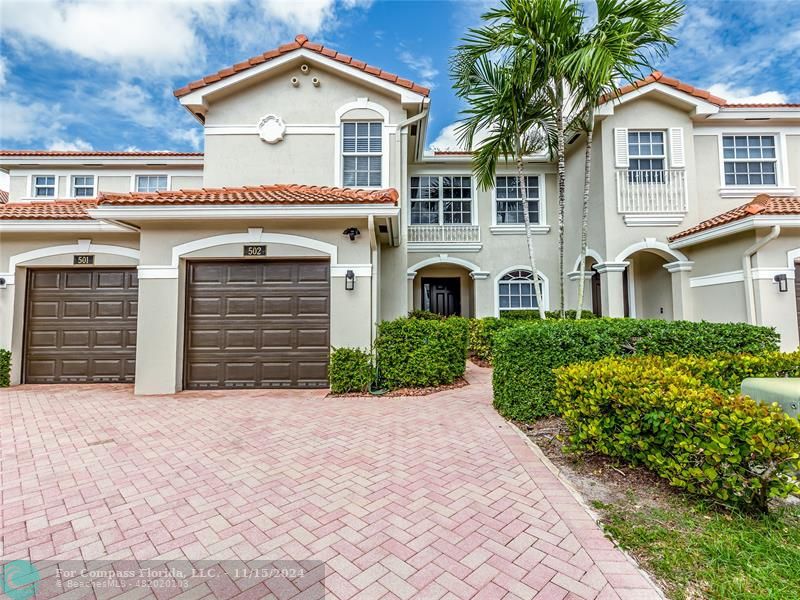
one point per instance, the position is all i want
(481, 334)
(425, 314)
(656, 412)
(5, 368)
(350, 370)
(525, 315)
(524, 356)
(421, 352)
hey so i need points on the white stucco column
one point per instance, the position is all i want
(612, 289)
(484, 294)
(572, 290)
(157, 342)
(410, 276)
(681, 297)
(6, 311)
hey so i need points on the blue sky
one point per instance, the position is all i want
(85, 74)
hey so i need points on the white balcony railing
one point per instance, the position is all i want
(651, 192)
(444, 233)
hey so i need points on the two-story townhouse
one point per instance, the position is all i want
(319, 214)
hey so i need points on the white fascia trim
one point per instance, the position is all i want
(717, 279)
(198, 97)
(749, 192)
(756, 112)
(517, 230)
(33, 225)
(701, 107)
(654, 220)
(449, 246)
(770, 272)
(149, 213)
(736, 227)
(7, 162)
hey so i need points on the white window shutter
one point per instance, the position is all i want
(621, 147)
(677, 156)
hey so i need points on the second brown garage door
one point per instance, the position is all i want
(80, 326)
(257, 324)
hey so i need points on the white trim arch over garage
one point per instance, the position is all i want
(474, 270)
(82, 247)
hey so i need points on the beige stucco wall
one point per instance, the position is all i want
(187, 182)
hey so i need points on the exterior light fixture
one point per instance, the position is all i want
(350, 280)
(783, 284)
(351, 232)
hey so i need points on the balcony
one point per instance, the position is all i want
(648, 198)
(464, 238)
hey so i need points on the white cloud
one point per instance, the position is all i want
(447, 139)
(134, 103)
(3, 71)
(421, 65)
(745, 94)
(194, 137)
(76, 144)
(25, 122)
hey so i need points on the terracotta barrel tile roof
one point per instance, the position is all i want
(659, 77)
(301, 41)
(762, 204)
(47, 209)
(94, 153)
(266, 194)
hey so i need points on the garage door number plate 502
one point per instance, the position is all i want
(255, 250)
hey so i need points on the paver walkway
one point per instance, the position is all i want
(425, 497)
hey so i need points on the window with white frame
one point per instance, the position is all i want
(362, 149)
(441, 200)
(44, 186)
(83, 186)
(151, 183)
(515, 290)
(646, 156)
(508, 200)
(749, 159)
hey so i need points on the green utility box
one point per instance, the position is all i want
(783, 390)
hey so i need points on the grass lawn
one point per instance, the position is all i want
(695, 551)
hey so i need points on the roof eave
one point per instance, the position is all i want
(238, 211)
(699, 106)
(738, 226)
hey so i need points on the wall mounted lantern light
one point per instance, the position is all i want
(783, 284)
(350, 280)
(351, 232)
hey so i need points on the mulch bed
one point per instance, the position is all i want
(480, 362)
(458, 383)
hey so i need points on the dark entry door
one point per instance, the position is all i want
(442, 295)
(81, 326)
(597, 295)
(257, 324)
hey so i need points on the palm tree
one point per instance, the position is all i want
(504, 105)
(620, 47)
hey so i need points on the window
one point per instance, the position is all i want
(508, 202)
(441, 200)
(515, 290)
(151, 183)
(83, 186)
(362, 143)
(44, 186)
(749, 159)
(646, 156)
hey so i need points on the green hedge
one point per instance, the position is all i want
(527, 315)
(5, 368)
(421, 352)
(425, 314)
(657, 412)
(350, 370)
(524, 356)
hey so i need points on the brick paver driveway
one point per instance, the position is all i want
(427, 497)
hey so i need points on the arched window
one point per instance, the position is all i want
(515, 290)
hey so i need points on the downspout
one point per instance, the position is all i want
(399, 143)
(747, 271)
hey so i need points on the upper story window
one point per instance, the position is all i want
(362, 148)
(83, 186)
(749, 159)
(441, 200)
(44, 186)
(508, 208)
(646, 156)
(151, 183)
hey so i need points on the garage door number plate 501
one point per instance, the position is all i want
(82, 259)
(255, 250)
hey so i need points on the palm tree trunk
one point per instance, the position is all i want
(561, 198)
(587, 182)
(526, 216)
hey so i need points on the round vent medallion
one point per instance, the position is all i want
(271, 129)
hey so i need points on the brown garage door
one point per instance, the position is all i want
(257, 324)
(81, 326)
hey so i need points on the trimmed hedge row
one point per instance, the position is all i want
(525, 355)
(5, 368)
(421, 352)
(527, 315)
(659, 413)
(350, 370)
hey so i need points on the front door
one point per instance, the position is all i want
(442, 295)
